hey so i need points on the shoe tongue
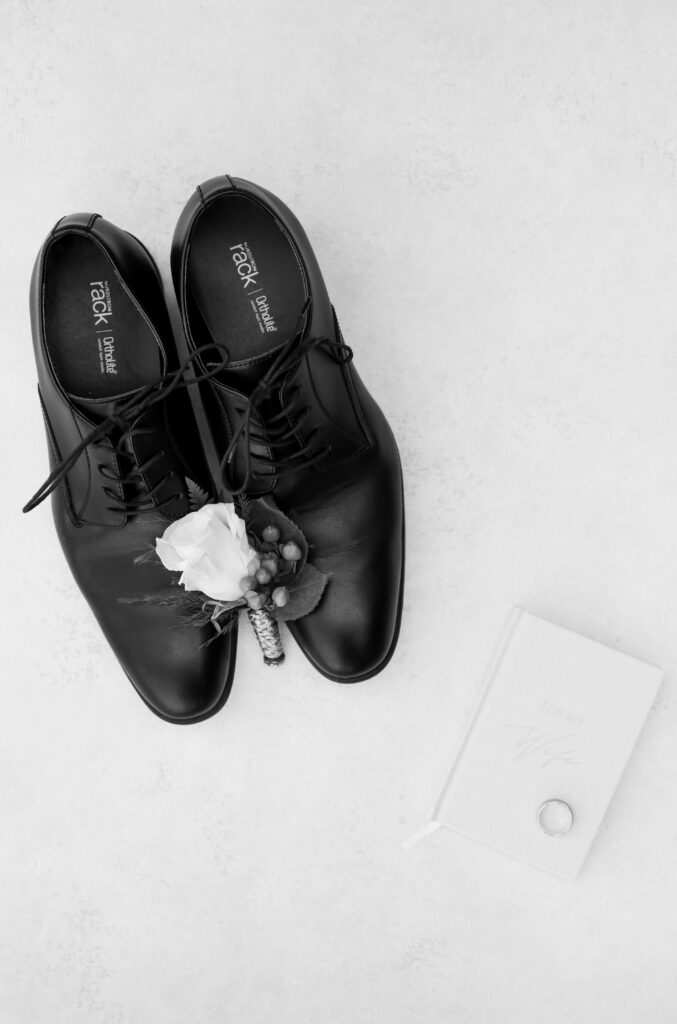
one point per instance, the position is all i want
(244, 376)
(97, 409)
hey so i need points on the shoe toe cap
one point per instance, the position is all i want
(353, 632)
(189, 683)
(176, 674)
(345, 642)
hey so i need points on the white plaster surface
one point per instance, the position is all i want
(491, 191)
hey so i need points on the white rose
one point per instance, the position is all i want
(211, 551)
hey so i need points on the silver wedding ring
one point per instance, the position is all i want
(555, 817)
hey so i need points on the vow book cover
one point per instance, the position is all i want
(556, 721)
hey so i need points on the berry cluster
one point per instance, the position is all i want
(278, 561)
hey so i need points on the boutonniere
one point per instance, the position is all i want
(256, 561)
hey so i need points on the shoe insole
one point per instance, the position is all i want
(99, 342)
(244, 277)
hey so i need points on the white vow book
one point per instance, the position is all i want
(556, 721)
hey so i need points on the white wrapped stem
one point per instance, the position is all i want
(268, 635)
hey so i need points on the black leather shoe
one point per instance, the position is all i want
(292, 418)
(122, 441)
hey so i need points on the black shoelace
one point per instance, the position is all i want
(120, 420)
(281, 429)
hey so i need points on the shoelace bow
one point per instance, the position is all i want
(124, 414)
(281, 428)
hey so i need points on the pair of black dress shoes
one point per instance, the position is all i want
(277, 391)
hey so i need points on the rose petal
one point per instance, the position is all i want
(168, 556)
(211, 548)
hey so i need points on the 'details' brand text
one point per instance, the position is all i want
(248, 273)
(102, 311)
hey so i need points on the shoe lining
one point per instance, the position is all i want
(99, 342)
(245, 281)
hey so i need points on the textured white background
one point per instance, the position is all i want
(490, 188)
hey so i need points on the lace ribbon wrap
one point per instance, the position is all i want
(267, 633)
